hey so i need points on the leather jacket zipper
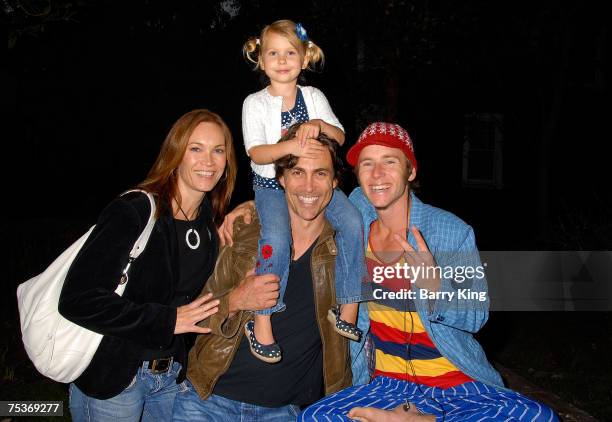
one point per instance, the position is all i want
(314, 294)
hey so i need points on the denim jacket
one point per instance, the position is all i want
(449, 323)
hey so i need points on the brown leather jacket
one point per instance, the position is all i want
(212, 353)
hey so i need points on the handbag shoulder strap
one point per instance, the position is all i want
(142, 240)
(140, 243)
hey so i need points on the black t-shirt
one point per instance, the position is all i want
(298, 377)
(195, 266)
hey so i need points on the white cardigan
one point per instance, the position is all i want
(261, 120)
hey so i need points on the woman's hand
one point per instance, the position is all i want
(187, 316)
(226, 230)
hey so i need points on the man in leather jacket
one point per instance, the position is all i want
(226, 381)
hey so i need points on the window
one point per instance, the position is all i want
(482, 150)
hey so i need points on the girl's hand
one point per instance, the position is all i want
(308, 130)
(187, 316)
(226, 230)
(311, 149)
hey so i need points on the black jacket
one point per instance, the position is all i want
(139, 320)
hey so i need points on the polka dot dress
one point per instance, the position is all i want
(265, 182)
(296, 115)
(288, 118)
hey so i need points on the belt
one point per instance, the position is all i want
(161, 365)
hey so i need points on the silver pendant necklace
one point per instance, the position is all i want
(190, 231)
(293, 119)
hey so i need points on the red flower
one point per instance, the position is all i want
(266, 251)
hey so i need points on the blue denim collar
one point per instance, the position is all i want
(370, 215)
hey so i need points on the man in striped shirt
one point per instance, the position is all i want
(430, 298)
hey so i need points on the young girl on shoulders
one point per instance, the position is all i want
(282, 51)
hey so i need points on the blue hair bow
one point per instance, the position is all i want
(301, 32)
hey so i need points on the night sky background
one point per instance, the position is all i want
(90, 88)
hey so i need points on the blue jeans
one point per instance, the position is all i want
(275, 244)
(149, 397)
(190, 407)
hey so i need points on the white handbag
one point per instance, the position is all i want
(60, 349)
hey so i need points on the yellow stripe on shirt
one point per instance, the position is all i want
(430, 367)
(395, 319)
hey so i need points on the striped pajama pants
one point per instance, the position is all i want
(471, 401)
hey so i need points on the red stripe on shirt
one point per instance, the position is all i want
(386, 333)
(447, 380)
